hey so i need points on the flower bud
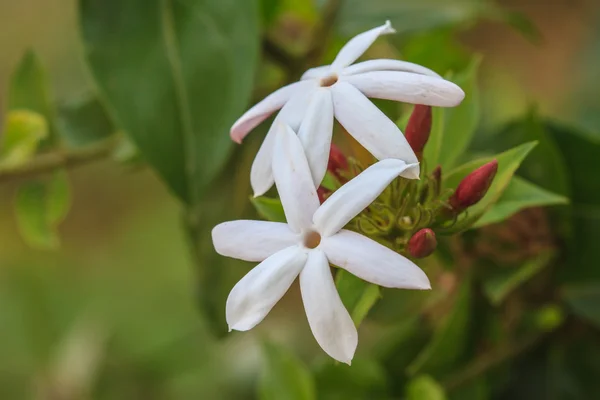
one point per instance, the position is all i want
(422, 243)
(436, 177)
(419, 128)
(473, 187)
(337, 161)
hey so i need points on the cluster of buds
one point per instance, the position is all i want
(408, 214)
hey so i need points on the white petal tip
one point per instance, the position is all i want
(412, 172)
(388, 27)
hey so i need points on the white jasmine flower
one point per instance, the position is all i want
(312, 239)
(341, 90)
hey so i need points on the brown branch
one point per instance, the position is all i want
(48, 162)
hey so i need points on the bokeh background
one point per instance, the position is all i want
(112, 313)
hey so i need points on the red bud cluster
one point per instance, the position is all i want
(422, 243)
(337, 162)
(473, 187)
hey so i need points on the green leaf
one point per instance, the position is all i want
(175, 74)
(498, 287)
(508, 162)
(40, 207)
(84, 121)
(284, 377)
(365, 379)
(453, 128)
(268, 208)
(519, 194)
(28, 90)
(583, 299)
(450, 338)
(23, 132)
(460, 122)
(357, 295)
(424, 387)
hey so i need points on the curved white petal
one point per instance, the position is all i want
(252, 240)
(387, 65)
(407, 87)
(255, 294)
(373, 262)
(329, 321)
(354, 196)
(358, 45)
(293, 179)
(368, 125)
(261, 174)
(315, 133)
(316, 72)
(261, 110)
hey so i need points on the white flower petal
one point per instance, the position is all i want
(255, 294)
(358, 45)
(328, 319)
(373, 262)
(407, 87)
(315, 133)
(387, 65)
(293, 179)
(252, 240)
(354, 196)
(368, 125)
(261, 111)
(316, 72)
(292, 113)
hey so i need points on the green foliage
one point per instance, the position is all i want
(583, 300)
(508, 162)
(29, 89)
(176, 74)
(22, 135)
(450, 338)
(284, 377)
(519, 194)
(84, 121)
(357, 295)
(365, 379)
(424, 387)
(268, 208)
(499, 286)
(40, 207)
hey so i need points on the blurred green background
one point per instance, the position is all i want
(112, 312)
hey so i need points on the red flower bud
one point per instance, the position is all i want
(474, 186)
(337, 161)
(419, 128)
(422, 243)
(436, 176)
(323, 194)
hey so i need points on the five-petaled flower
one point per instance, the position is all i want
(342, 89)
(312, 239)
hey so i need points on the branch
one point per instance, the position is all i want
(48, 162)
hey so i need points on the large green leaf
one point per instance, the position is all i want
(284, 377)
(269, 208)
(28, 89)
(84, 120)
(176, 74)
(508, 162)
(518, 195)
(446, 145)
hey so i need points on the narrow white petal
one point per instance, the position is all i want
(354, 196)
(292, 113)
(316, 72)
(373, 262)
(368, 125)
(328, 319)
(407, 87)
(387, 65)
(358, 45)
(316, 131)
(252, 240)
(293, 180)
(261, 111)
(255, 294)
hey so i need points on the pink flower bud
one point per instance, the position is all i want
(419, 128)
(474, 186)
(422, 243)
(337, 161)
